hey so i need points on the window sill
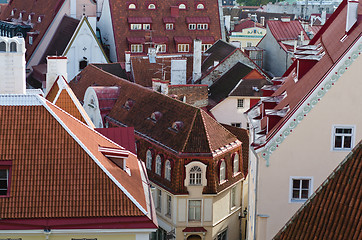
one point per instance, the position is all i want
(220, 183)
(297, 200)
(236, 174)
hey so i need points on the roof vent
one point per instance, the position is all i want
(116, 155)
(177, 126)
(129, 104)
(155, 116)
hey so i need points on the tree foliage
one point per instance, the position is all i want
(254, 2)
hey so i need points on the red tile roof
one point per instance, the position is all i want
(57, 168)
(182, 39)
(139, 20)
(123, 136)
(286, 30)
(334, 211)
(246, 23)
(136, 39)
(197, 20)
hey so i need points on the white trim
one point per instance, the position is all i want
(353, 136)
(291, 178)
(201, 210)
(235, 210)
(92, 156)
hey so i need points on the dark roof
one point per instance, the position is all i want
(250, 86)
(112, 68)
(218, 52)
(61, 38)
(222, 87)
(334, 211)
(198, 132)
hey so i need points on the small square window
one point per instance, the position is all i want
(240, 103)
(343, 137)
(192, 26)
(169, 26)
(161, 48)
(236, 125)
(301, 188)
(146, 26)
(136, 48)
(204, 47)
(183, 47)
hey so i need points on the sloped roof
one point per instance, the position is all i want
(246, 23)
(112, 68)
(286, 30)
(62, 95)
(46, 9)
(123, 136)
(334, 211)
(63, 173)
(251, 85)
(199, 133)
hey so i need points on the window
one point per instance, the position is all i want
(240, 103)
(183, 47)
(4, 180)
(30, 40)
(222, 173)
(194, 210)
(192, 26)
(152, 6)
(182, 6)
(222, 235)
(146, 26)
(161, 48)
(202, 26)
(343, 137)
(248, 44)
(159, 199)
(204, 47)
(136, 48)
(13, 47)
(136, 26)
(158, 165)
(169, 26)
(236, 125)
(236, 163)
(169, 206)
(149, 159)
(233, 197)
(200, 6)
(82, 64)
(132, 6)
(168, 170)
(301, 188)
(195, 175)
(2, 47)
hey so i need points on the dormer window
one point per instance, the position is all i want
(116, 155)
(40, 18)
(4, 181)
(155, 116)
(195, 175)
(132, 6)
(176, 126)
(182, 6)
(128, 104)
(200, 6)
(151, 6)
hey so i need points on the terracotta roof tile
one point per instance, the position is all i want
(286, 30)
(334, 210)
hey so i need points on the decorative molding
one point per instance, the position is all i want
(310, 103)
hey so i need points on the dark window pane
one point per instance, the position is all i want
(305, 184)
(296, 183)
(3, 173)
(3, 192)
(347, 141)
(339, 130)
(295, 193)
(338, 142)
(3, 184)
(305, 194)
(347, 130)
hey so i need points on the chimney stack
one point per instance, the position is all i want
(196, 74)
(178, 71)
(56, 66)
(12, 62)
(352, 14)
(128, 60)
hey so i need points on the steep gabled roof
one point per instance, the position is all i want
(62, 95)
(58, 169)
(181, 128)
(246, 23)
(286, 30)
(334, 211)
(45, 9)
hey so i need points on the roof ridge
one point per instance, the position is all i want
(190, 129)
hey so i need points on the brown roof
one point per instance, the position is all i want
(47, 9)
(334, 211)
(199, 133)
(57, 168)
(159, 16)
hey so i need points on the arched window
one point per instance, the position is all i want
(222, 171)
(83, 63)
(158, 165)
(2, 47)
(200, 6)
(182, 6)
(13, 47)
(149, 159)
(195, 175)
(236, 163)
(152, 6)
(168, 170)
(132, 6)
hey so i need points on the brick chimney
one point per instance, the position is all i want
(12, 62)
(56, 66)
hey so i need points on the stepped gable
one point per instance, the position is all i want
(334, 210)
(58, 171)
(45, 9)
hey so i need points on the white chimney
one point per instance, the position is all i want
(56, 66)
(196, 74)
(227, 20)
(127, 55)
(12, 62)
(262, 21)
(351, 14)
(73, 8)
(323, 17)
(178, 71)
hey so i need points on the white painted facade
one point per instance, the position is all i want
(91, 107)
(307, 150)
(248, 37)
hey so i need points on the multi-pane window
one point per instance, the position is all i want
(301, 189)
(195, 175)
(158, 165)
(192, 26)
(159, 200)
(169, 26)
(248, 44)
(202, 26)
(204, 47)
(146, 26)
(149, 159)
(236, 124)
(240, 103)
(169, 206)
(236, 163)
(222, 171)
(4, 181)
(183, 47)
(168, 170)
(233, 197)
(222, 235)
(343, 138)
(136, 26)
(194, 210)
(161, 48)
(136, 48)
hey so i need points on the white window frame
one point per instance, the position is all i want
(192, 26)
(132, 6)
(152, 6)
(205, 46)
(136, 48)
(149, 159)
(136, 26)
(200, 6)
(220, 234)
(168, 170)
(158, 165)
(310, 189)
(169, 26)
(168, 206)
(30, 40)
(195, 176)
(238, 125)
(182, 6)
(189, 166)
(161, 47)
(236, 163)
(194, 218)
(343, 135)
(183, 47)
(146, 26)
(222, 173)
(202, 26)
(240, 103)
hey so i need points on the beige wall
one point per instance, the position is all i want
(248, 35)
(307, 150)
(69, 236)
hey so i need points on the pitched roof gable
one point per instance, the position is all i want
(334, 210)
(286, 30)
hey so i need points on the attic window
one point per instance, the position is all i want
(116, 155)
(132, 6)
(83, 63)
(176, 126)
(152, 6)
(200, 6)
(128, 104)
(155, 116)
(40, 18)
(182, 6)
